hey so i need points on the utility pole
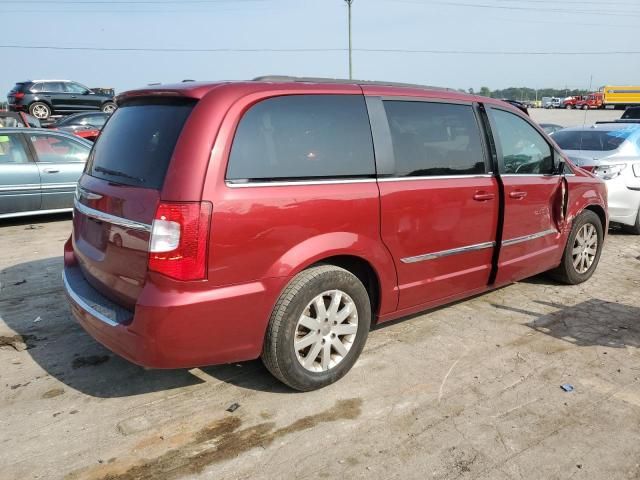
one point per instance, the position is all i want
(349, 2)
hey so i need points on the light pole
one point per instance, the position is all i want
(349, 2)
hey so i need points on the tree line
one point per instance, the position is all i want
(530, 94)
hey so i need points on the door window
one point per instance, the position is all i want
(524, 150)
(58, 149)
(74, 88)
(12, 150)
(303, 136)
(53, 87)
(434, 139)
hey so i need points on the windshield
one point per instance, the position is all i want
(592, 140)
(631, 114)
(137, 143)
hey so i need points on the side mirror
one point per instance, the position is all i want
(558, 164)
(88, 92)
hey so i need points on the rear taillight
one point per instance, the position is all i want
(179, 239)
(18, 95)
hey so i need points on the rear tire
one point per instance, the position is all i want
(109, 107)
(634, 229)
(307, 346)
(40, 110)
(581, 256)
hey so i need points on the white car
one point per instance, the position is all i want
(612, 152)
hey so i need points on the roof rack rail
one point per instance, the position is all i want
(285, 78)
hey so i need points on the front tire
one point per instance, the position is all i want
(318, 328)
(40, 110)
(582, 251)
(109, 107)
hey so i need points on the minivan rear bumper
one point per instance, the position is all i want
(176, 328)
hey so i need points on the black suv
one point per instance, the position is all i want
(43, 98)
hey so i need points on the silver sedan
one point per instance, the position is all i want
(39, 170)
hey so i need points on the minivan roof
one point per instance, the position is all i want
(197, 90)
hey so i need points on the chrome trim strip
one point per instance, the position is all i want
(299, 183)
(433, 177)
(539, 175)
(106, 217)
(85, 306)
(24, 186)
(526, 238)
(446, 253)
(51, 186)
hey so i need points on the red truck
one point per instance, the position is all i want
(571, 102)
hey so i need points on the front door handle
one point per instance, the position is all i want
(518, 194)
(481, 196)
(51, 170)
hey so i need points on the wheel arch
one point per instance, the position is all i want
(365, 258)
(602, 214)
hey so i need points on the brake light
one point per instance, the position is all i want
(179, 239)
(18, 95)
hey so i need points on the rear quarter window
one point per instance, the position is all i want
(136, 144)
(303, 137)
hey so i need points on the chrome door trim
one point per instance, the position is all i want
(106, 217)
(291, 183)
(17, 188)
(526, 238)
(435, 177)
(84, 305)
(446, 253)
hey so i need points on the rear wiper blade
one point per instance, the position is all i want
(117, 173)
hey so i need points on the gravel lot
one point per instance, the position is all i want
(467, 391)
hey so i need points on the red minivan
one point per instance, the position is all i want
(281, 218)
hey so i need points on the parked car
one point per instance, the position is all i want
(21, 119)
(18, 120)
(43, 98)
(551, 128)
(85, 125)
(92, 119)
(281, 218)
(612, 152)
(39, 170)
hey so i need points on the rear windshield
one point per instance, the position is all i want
(18, 87)
(631, 114)
(591, 140)
(137, 142)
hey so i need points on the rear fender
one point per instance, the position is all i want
(316, 249)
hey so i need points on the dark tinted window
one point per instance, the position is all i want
(303, 136)
(136, 145)
(632, 113)
(95, 119)
(37, 87)
(434, 139)
(55, 87)
(71, 87)
(592, 140)
(524, 150)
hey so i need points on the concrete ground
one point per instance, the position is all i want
(573, 118)
(472, 390)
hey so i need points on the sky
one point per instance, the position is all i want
(450, 43)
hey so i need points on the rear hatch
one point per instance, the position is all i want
(119, 193)
(18, 88)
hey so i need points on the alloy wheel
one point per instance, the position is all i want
(585, 248)
(40, 112)
(326, 331)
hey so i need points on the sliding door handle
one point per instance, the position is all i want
(481, 196)
(518, 194)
